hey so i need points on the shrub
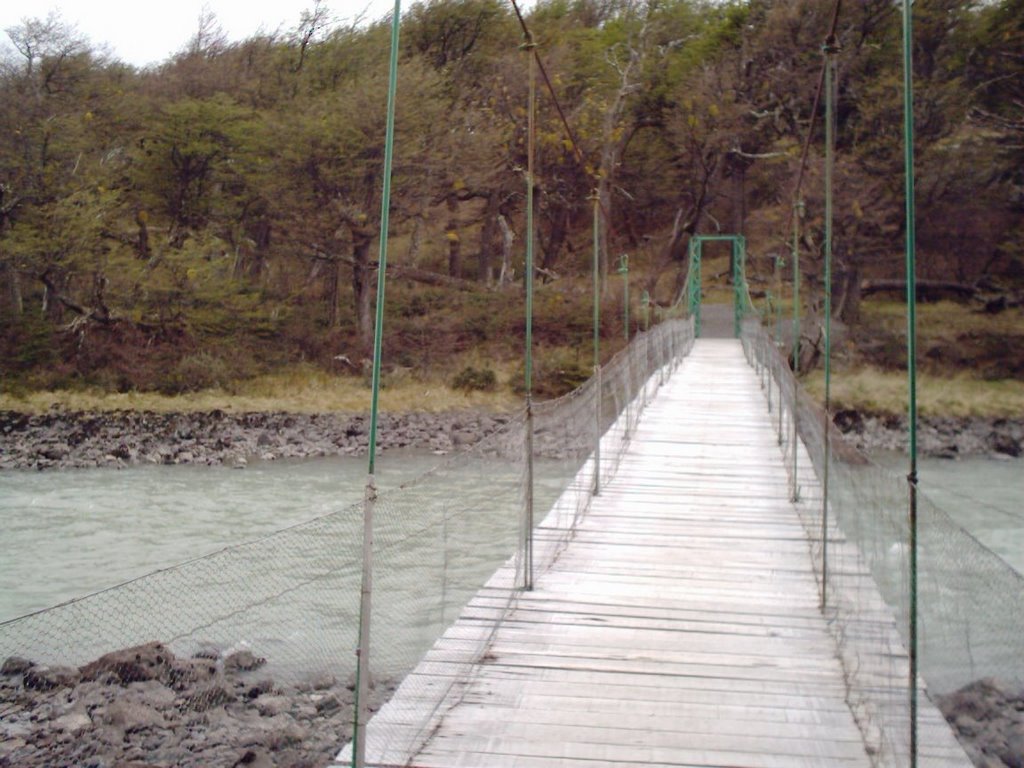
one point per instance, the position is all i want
(195, 372)
(555, 373)
(471, 379)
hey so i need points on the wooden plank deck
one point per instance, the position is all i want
(680, 627)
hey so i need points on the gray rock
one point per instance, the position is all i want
(269, 705)
(322, 681)
(133, 716)
(326, 704)
(73, 722)
(15, 665)
(209, 698)
(142, 662)
(243, 661)
(44, 678)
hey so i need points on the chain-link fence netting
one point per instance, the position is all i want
(970, 603)
(248, 654)
(565, 438)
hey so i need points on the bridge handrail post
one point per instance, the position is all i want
(528, 523)
(598, 409)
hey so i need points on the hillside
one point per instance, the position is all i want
(212, 223)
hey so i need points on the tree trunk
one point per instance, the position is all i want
(452, 233)
(488, 237)
(849, 301)
(13, 280)
(430, 278)
(559, 230)
(361, 272)
(142, 249)
(507, 238)
(674, 251)
(333, 291)
(54, 286)
(926, 289)
(739, 197)
(415, 240)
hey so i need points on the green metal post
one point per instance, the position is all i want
(694, 284)
(361, 709)
(780, 263)
(767, 358)
(645, 303)
(798, 212)
(831, 48)
(737, 284)
(597, 342)
(624, 271)
(911, 268)
(530, 236)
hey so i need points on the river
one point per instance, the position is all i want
(71, 533)
(985, 497)
(74, 532)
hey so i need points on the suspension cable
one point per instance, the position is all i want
(830, 39)
(577, 150)
(528, 35)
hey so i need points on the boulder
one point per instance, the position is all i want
(151, 661)
(15, 665)
(44, 678)
(132, 716)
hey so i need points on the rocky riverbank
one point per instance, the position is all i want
(145, 706)
(988, 718)
(947, 438)
(61, 439)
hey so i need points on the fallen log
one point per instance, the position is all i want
(927, 290)
(432, 278)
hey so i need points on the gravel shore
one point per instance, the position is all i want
(988, 718)
(61, 439)
(145, 706)
(938, 437)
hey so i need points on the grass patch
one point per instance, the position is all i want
(877, 391)
(944, 319)
(301, 389)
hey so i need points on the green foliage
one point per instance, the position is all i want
(26, 343)
(556, 372)
(471, 379)
(227, 203)
(195, 372)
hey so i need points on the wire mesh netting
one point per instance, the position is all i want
(251, 650)
(565, 432)
(970, 602)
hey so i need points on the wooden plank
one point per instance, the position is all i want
(678, 625)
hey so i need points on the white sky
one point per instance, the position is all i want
(141, 33)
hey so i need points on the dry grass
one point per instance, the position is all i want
(944, 319)
(301, 390)
(870, 389)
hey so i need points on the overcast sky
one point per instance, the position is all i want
(142, 33)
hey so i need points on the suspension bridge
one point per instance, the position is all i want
(693, 597)
(678, 622)
(704, 607)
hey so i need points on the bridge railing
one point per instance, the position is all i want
(278, 616)
(970, 603)
(578, 441)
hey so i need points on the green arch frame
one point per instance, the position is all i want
(739, 265)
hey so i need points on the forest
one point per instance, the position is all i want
(216, 217)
